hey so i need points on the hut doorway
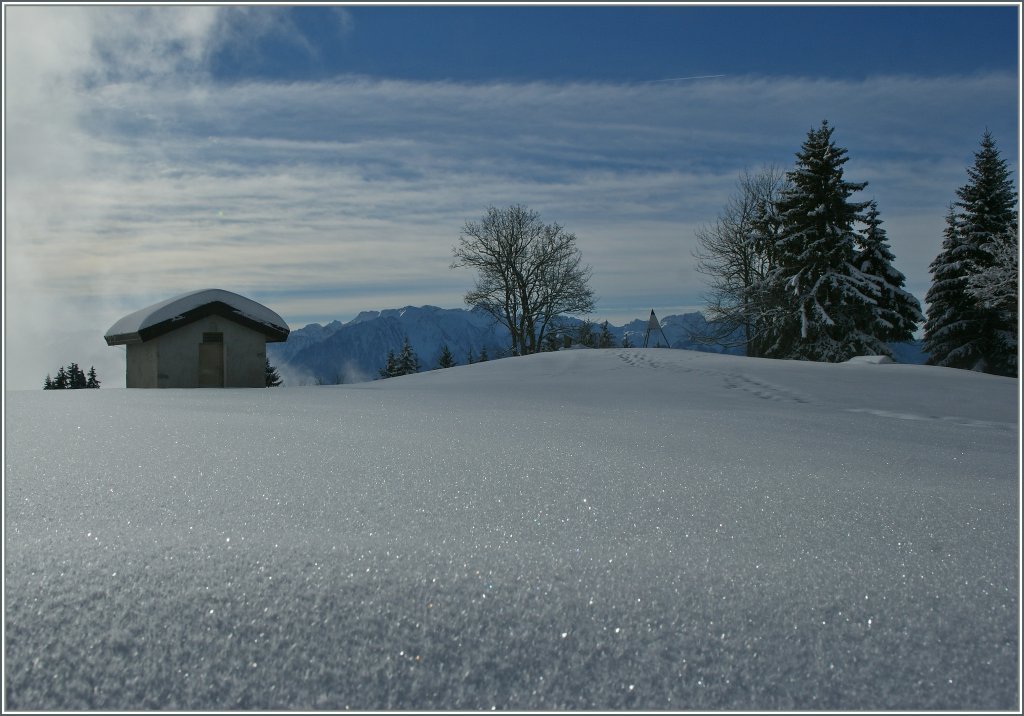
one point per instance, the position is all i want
(211, 361)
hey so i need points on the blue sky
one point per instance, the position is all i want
(630, 44)
(322, 160)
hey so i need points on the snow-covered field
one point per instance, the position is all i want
(614, 529)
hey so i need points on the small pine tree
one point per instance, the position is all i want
(605, 339)
(72, 378)
(76, 377)
(483, 355)
(585, 334)
(390, 369)
(407, 363)
(273, 378)
(446, 359)
(626, 342)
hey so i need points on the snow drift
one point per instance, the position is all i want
(593, 529)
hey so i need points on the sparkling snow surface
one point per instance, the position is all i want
(616, 529)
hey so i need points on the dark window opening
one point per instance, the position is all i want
(213, 338)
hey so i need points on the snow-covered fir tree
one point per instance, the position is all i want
(988, 218)
(829, 299)
(953, 330)
(972, 300)
(897, 313)
(407, 363)
(996, 289)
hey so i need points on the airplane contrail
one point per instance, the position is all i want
(677, 79)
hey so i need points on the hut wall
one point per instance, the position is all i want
(142, 365)
(244, 354)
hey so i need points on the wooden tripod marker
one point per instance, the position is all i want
(653, 323)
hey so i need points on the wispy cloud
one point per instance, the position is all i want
(132, 176)
(682, 79)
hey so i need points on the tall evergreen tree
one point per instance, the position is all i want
(971, 324)
(48, 383)
(93, 381)
(605, 339)
(897, 313)
(61, 381)
(988, 220)
(829, 299)
(952, 331)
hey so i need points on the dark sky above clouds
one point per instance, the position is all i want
(628, 43)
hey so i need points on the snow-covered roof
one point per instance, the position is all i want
(155, 320)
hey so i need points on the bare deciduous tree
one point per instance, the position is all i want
(735, 253)
(528, 273)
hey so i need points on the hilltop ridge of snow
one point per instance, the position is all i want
(594, 530)
(357, 350)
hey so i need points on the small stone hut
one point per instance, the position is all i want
(203, 339)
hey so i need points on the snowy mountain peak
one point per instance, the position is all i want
(364, 316)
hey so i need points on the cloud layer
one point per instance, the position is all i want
(133, 175)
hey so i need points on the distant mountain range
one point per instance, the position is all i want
(355, 351)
